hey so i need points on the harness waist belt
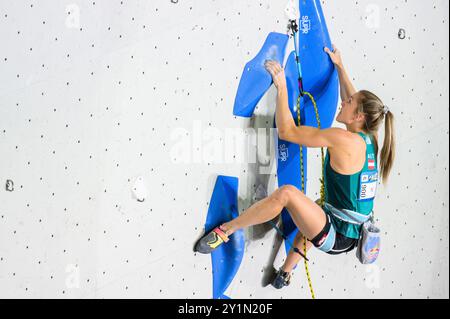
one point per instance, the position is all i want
(347, 215)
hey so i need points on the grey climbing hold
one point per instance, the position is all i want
(401, 34)
(260, 193)
(139, 189)
(9, 185)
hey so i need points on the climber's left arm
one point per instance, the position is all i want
(313, 137)
(288, 130)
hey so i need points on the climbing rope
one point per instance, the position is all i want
(322, 184)
(319, 126)
(293, 27)
(322, 188)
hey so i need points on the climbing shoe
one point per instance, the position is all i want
(211, 241)
(282, 279)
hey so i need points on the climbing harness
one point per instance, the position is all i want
(293, 27)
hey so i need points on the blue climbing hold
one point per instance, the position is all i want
(255, 79)
(321, 80)
(227, 258)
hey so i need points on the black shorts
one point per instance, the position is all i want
(342, 244)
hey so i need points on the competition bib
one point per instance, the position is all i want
(368, 185)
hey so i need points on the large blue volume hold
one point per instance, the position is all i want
(227, 258)
(255, 79)
(321, 80)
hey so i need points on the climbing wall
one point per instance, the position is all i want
(116, 118)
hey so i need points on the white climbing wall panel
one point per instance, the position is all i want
(96, 98)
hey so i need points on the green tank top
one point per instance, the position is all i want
(353, 192)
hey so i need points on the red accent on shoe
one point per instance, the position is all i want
(221, 234)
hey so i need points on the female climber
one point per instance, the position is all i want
(350, 174)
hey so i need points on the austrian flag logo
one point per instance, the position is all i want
(371, 164)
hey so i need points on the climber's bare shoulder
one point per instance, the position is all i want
(347, 152)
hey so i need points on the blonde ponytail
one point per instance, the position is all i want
(388, 151)
(375, 111)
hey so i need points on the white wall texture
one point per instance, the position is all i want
(94, 94)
